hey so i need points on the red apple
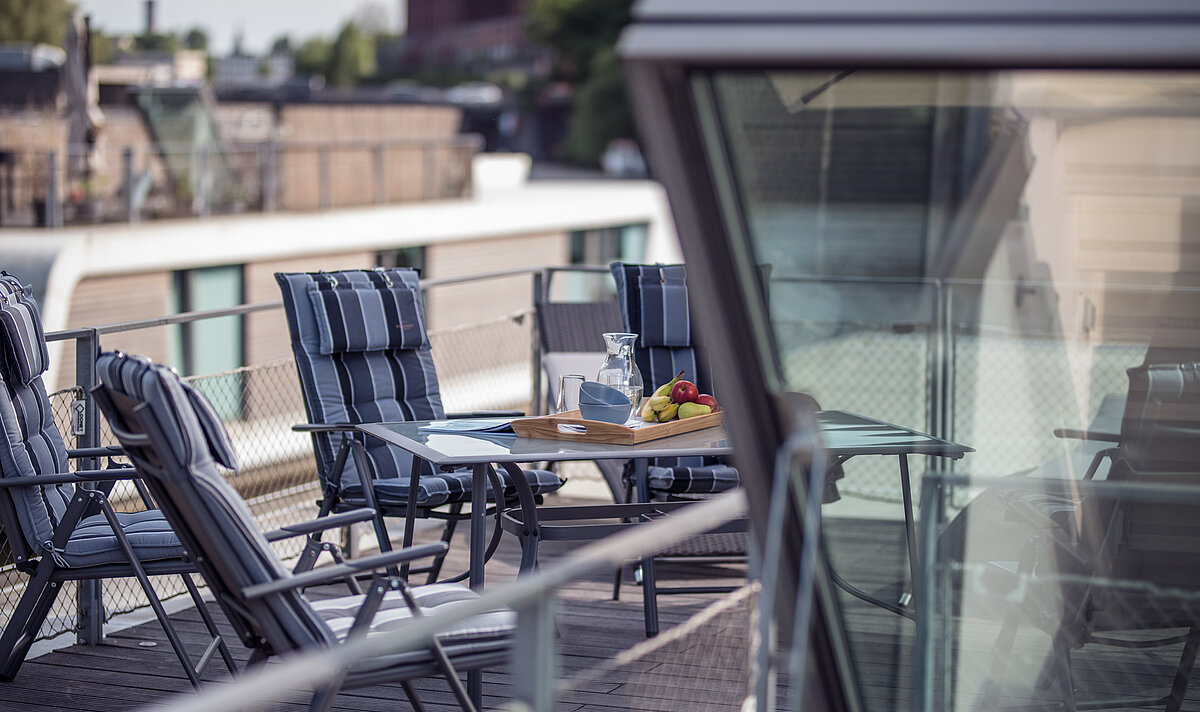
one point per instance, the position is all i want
(684, 392)
(706, 399)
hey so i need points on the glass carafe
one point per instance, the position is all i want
(619, 370)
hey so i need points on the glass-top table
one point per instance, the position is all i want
(845, 435)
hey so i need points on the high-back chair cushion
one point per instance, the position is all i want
(363, 355)
(190, 486)
(653, 300)
(223, 530)
(33, 445)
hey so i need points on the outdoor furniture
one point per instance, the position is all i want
(363, 356)
(61, 527)
(1119, 555)
(654, 305)
(167, 432)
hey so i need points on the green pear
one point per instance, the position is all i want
(691, 410)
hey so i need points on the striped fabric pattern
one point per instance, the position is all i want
(654, 303)
(219, 520)
(655, 296)
(24, 344)
(367, 318)
(371, 386)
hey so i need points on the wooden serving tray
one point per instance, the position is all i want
(597, 431)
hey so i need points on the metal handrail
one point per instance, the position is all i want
(525, 595)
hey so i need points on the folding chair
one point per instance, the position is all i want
(1115, 559)
(61, 526)
(653, 303)
(165, 429)
(363, 356)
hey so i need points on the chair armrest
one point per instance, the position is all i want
(341, 571)
(321, 524)
(1097, 435)
(488, 414)
(107, 451)
(324, 427)
(72, 478)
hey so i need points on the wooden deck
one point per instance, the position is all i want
(705, 669)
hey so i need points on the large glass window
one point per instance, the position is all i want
(1009, 261)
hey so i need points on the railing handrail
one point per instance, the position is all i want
(186, 317)
(522, 595)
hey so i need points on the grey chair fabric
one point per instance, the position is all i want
(157, 422)
(653, 301)
(1118, 560)
(363, 355)
(57, 532)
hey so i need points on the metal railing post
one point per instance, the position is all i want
(90, 594)
(54, 216)
(535, 398)
(324, 179)
(427, 149)
(131, 209)
(381, 191)
(535, 655)
(268, 176)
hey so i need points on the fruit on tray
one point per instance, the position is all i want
(684, 392)
(658, 400)
(677, 399)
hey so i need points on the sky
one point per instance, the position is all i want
(259, 21)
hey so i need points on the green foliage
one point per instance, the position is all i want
(103, 47)
(312, 56)
(599, 110)
(159, 42)
(577, 30)
(352, 57)
(34, 20)
(196, 38)
(583, 34)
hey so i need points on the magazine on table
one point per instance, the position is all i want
(495, 426)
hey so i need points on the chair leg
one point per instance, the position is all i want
(27, 618)
(1066, 681)
(617, 576)
(413, 698)
(211, 625)
(1187, 660)
(148, 588)
(435, 568)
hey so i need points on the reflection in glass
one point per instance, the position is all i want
(1011, 261)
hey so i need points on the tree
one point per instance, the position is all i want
(583, 35)
(196, 38)
(576, 30)
(352, 57)
(281, 45)
(312, 56)
(35, 21)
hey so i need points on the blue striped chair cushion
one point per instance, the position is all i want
(358, 386)
(702, 479)
(654, 303)
(485, 630)
(24, 344)
(127, 372)
(31, 446)
(367, 317)
(442, 487)
(93, 542)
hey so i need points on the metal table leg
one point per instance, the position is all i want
(910, 531)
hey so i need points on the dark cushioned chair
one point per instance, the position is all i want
(363, 356)
(653, 302)
(161, 428)
(57, 530)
